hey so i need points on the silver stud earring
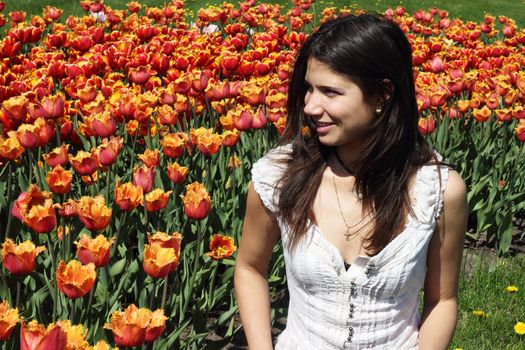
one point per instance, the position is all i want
(378, 110)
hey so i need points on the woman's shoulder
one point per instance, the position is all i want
(274, 159)
(267, 172)
(436, 182)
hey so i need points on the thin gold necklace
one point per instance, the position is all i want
(348, 234)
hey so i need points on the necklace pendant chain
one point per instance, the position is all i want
(348, 234)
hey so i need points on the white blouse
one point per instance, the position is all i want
(373, 304)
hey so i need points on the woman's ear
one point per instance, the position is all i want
(387, 91)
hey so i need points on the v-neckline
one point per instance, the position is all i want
(364, 259)
(361, 260)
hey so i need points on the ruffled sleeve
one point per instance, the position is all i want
(267, 172)
(429, 190)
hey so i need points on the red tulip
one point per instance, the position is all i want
(197, 201)
(34, 336)
(19, 259)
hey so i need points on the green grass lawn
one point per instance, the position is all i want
(465, 9)
(482, 287)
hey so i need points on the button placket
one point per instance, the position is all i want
(369, 267)
(351, 306)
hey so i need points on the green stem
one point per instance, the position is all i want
(30, 156)
(67, 236)
(115, 243)
(53, 264)
(90, 300)
(164, 293)
(145, 222)
(9, 216)
(5, 290)
(73, 311)
(211, 288)
(132, 155)
(152, 297)
(193, 275)
(108, 183)
(18, 290)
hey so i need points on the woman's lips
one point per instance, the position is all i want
(323, 128)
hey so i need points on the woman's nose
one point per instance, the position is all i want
(312, 107)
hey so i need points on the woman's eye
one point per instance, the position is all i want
(329, 92)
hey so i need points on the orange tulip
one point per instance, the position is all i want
(276, 99)
(144, 177)
(227, 120)
(10, 148)
(84, 163)
(102, 345)
(519, 130)
(518, 112)
(51, 13)
(59, 180)
(75, 279)
(67, 209)
(280, 124)
(206, 140)
(167, 115)
(481, 114)
(16, 107)
(104, 124)
(35, 209)
(157, 199)
(177, 173)
(259, 118)
(8, 320)
(94, 251)
(253, 93)
(159, 261)
(93, 213)
(156, 326)
(58, 156)
(234, 162)
(27, 135)
(53, 106)
(34, 336)
(173, 145)
(62, 231)
(197, 201)
(75, 336)
(166, 241)
(108, 151)
(128, 196)
(140, 75)
(504, 114)
(221, 247)
(150, 158)
(426, 125)
(241, 117)
(129, 327)
(19, 259)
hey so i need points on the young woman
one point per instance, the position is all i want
(367, 213)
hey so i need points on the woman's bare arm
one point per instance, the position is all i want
(259, 235)
(444, 262)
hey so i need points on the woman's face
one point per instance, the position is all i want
(337, 107)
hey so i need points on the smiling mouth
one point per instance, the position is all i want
(321, 124)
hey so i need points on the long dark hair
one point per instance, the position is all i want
(374, 53)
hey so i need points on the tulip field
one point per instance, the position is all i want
(126, 142)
